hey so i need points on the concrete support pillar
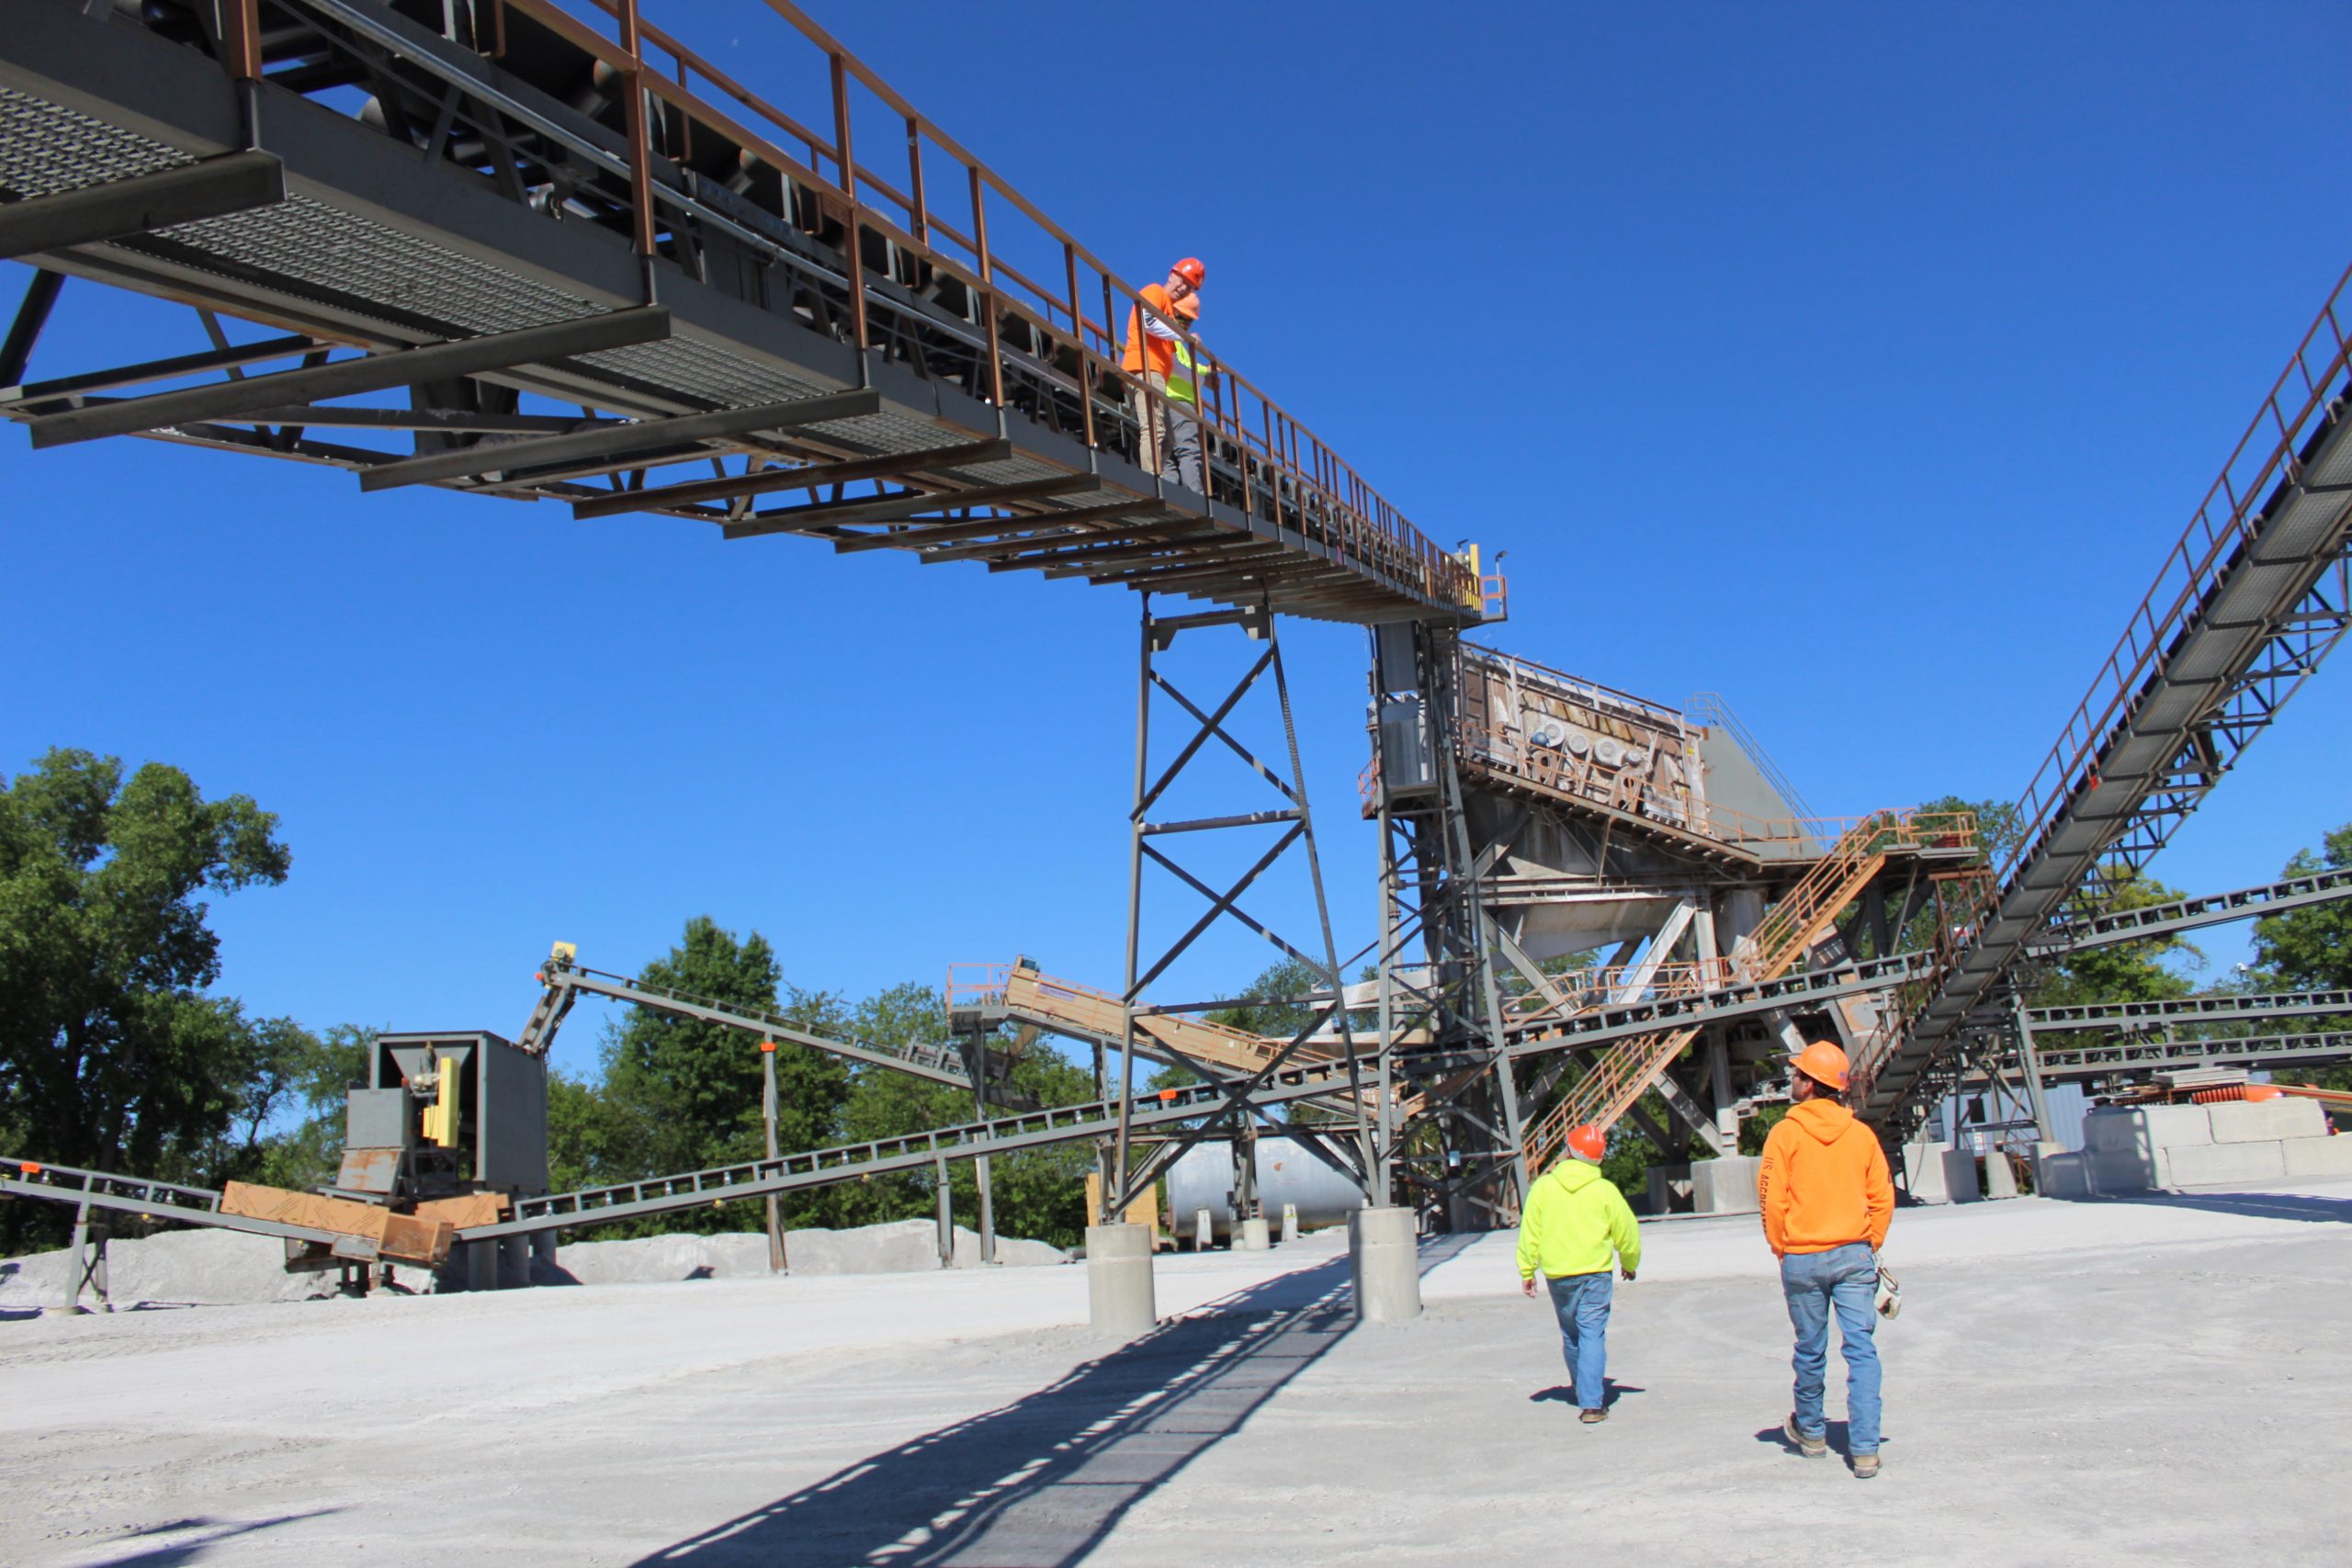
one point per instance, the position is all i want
(1726, 1109)
(2001, 1175)
(987, 1210)
(1203, 1231)
(1119, 1295)
(1290, 1222)
(1385, 1264)
(1249, 1234)
(946, 1217)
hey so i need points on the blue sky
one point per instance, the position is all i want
(1859, 363)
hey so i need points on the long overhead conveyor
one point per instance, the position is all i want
(444, 205)
(2256, 593)
(567, 980)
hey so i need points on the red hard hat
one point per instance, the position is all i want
(1823, 1063)
(1191, 270)
(1588, 1142)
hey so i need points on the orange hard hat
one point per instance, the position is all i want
(1823, 1063)
(1588, 1142)
(1191, 270)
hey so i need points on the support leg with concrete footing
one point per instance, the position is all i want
(1119, 1295)
(1249, 1236)
(1385, 1264)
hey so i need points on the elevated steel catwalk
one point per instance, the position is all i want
(695, 1189)
(2178, 1012)
(2256, 593)
(917, 1151)
(2108, 1058)
(489, 197)
(2178, 915)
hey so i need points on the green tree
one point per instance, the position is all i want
(2310, 949)
(289, 1122)
(681, 1094)
(1039, 1193)
(111, 1056)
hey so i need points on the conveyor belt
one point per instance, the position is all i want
(2256, 593)
(464, 174)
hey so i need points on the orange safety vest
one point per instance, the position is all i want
(1145, 351)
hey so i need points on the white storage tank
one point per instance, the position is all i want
(1202, 1178)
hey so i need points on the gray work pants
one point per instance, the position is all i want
(1171, 441)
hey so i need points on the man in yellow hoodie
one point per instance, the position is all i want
(1575, 1218)
(1827, 1199)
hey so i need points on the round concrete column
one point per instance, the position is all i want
(1118, 1279)
(1249, 1236)
(1385, 1263)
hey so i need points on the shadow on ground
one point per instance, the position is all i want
(2260, 1205)
(1043, 1480)
(215, 1533)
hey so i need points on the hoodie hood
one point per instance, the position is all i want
(1574, 1175)
(1825, 1121)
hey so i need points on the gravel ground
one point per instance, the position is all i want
(2152, 1381)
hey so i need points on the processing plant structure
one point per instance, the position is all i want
(438, 227)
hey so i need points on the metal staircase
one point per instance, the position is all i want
(1610, 1086)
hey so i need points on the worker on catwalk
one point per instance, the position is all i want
(1159, 329)
(1827, 1200)
(1574, 1220)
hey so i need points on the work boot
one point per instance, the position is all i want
(1865, 1466)
(1812, 1444)
(1592, 1417)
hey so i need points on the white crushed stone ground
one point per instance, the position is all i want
(2150, 1381)
(230, 1269)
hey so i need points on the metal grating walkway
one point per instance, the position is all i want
(454, 171)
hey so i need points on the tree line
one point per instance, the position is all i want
(115, 1053)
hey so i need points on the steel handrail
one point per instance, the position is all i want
(1359, 523)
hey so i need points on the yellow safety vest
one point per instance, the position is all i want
(1181, 388)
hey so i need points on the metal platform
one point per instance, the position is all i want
(494, 199)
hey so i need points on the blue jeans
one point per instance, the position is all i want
(1844, 1278)
(1582, 1303)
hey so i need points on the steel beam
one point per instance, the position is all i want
(370, 373)
(24, 330)
(848, 470)
(2188, 914)
(926, 538)
(646, 436)
(889, 508)
(235, 354)
(211, 187)
(2180, 1011)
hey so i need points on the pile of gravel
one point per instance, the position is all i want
(221, 1268)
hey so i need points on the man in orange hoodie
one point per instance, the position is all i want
(1827, 1199)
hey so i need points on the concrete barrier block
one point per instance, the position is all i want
(1960, 1176)
(2318, 1156)
(2267, 1121)
(1923, 1172)
(1726, 1185)
(2001, 1175)
(2121, 1129)
(2128, 1170)
(2216, 1164)
(2062, 1173)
